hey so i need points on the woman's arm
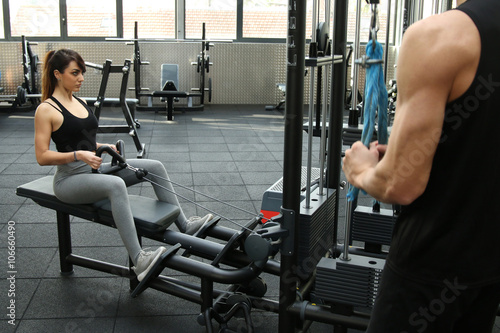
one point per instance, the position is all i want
(44, 119)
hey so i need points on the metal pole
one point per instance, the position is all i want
(355, 55)
(327, 15)
(387, 39)
(314, 22)
(310, 137)
(322, 150)
(435, 7)
(311, 106)
(420, 10)
(347, 227)
(292, 156)
(337, 106)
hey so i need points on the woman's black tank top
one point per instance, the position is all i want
(75, 133)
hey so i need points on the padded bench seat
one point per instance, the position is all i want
(150, 215)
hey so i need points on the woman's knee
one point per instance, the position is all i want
(110, 184)
(116, 184)
(153, 166)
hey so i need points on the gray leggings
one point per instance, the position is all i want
(74, 183)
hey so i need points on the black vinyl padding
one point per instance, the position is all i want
(150, 215)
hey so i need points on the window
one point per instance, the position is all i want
(219, 17)
(34, 18)
(366, 20)
(256, 19)
(155, 19)
(265, 18)
(268, 18)
(2, 32)
(94, 18)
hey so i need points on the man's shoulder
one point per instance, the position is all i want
(447, 39)
(450, 29)
(441, 53)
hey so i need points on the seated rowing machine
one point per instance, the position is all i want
(246, 251)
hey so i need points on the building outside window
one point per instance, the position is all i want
(35, 18)
(219, 17)
(91, 18)
(155, 19)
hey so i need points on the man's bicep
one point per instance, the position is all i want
(422, 94)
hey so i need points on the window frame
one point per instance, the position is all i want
(180, 25)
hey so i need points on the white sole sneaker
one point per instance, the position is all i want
(157, 254)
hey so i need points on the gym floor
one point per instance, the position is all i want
(233, 153)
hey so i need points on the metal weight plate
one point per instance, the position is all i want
(21, 95)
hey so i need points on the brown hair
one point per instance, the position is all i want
(59, 60)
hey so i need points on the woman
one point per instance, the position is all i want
(71, 124)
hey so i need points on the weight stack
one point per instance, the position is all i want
(354, 282)
(315, 236)
(353, 134)
(273, 197)
(372, 227)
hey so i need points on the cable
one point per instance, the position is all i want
(189, 200)
(197, 192)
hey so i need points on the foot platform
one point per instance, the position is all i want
(155, 270)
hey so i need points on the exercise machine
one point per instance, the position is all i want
(203, 64)
(352, 280)
(247, 251)
(127, 106)
(28, 90)
(168, 93)
(297, 311)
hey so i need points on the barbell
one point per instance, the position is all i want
(20, 98)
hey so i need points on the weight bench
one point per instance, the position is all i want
(151, 216)
(169, 92)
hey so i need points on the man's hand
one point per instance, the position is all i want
(360, 159)
(381, 150)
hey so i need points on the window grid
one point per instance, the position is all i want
(260, 21)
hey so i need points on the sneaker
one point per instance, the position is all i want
(146, 261)
(194, 223)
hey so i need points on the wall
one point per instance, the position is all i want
(242, 73)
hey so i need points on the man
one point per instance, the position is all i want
(442, 163)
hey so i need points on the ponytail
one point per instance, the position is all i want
(49, 81)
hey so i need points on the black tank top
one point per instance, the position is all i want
(75, 133)
(452, 231)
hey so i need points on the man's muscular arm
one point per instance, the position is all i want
(437, 63)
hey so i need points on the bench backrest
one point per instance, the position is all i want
(169, 77)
